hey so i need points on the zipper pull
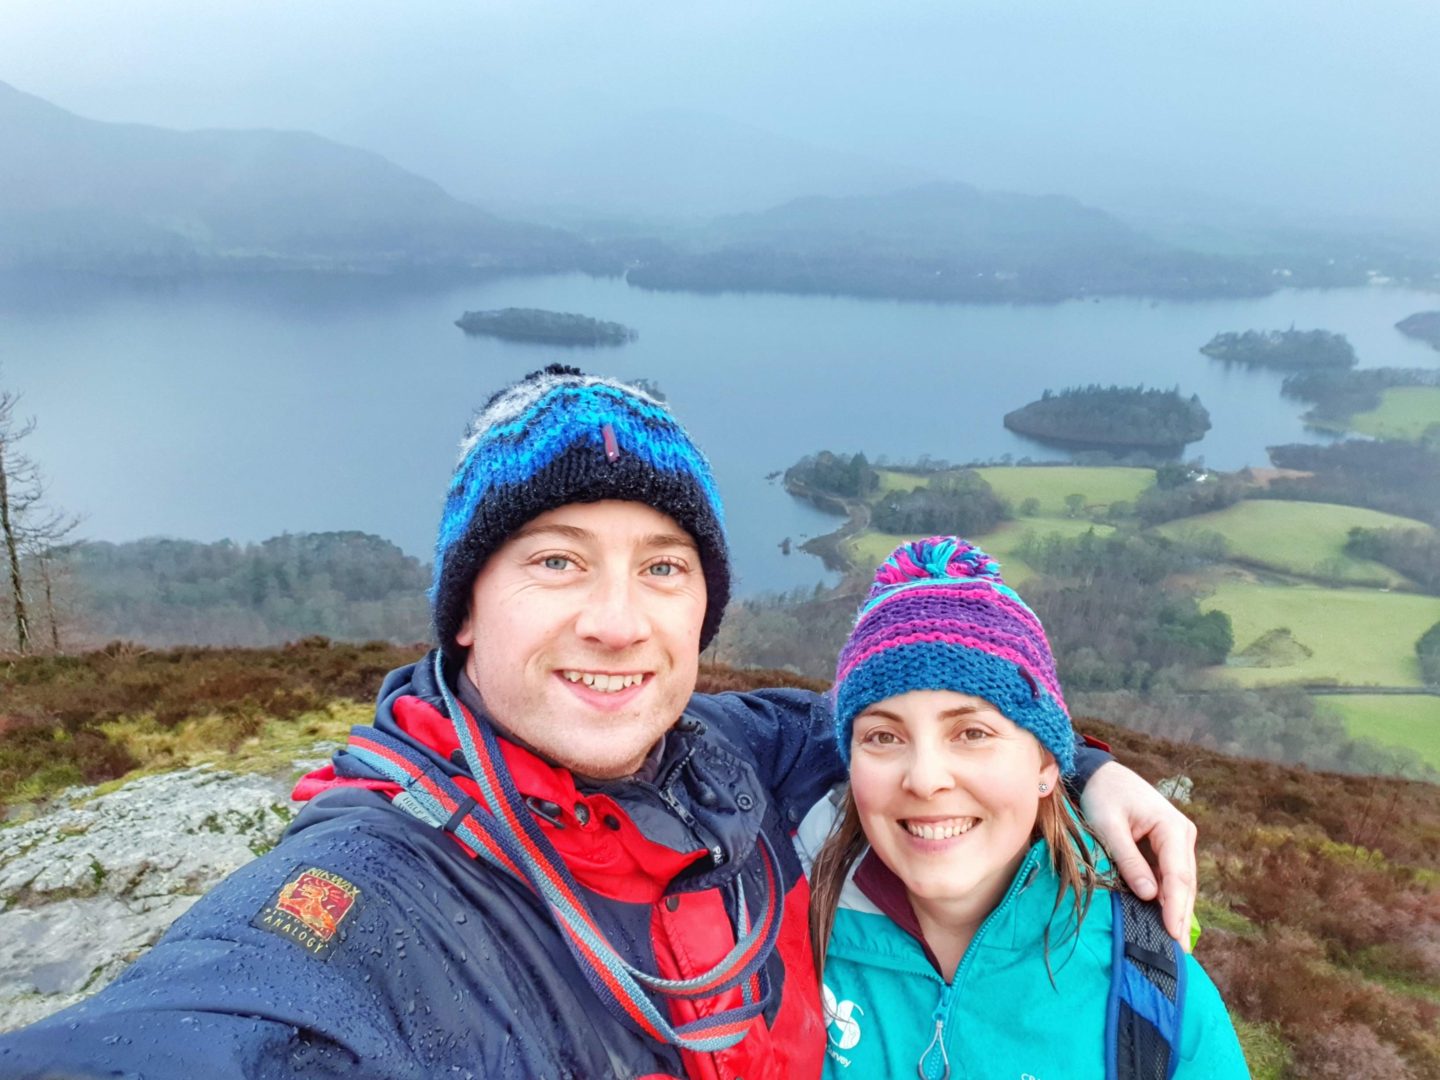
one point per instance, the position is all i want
(935, 1062)
(933, 1066)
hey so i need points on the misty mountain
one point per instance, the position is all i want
(944, 241)
(939, 219)
(673, 165)
(81, 193)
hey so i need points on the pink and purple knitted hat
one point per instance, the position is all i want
(940, 617)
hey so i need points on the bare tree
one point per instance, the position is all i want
(30, 532)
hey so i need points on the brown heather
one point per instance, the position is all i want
(1320, 892)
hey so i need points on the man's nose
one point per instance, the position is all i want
(614, 613)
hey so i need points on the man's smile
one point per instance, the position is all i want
(604, 682)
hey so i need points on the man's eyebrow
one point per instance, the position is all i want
(574, 532)
(569, 532)
(665, 540)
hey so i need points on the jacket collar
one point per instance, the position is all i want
(690, 817)
(1018, 922)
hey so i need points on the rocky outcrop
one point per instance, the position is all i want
(88, 885)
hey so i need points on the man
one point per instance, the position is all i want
(547, 856)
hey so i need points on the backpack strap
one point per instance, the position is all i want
(503, 833)
(1147, 993)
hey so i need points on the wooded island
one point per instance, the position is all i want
(545, 327)
(1112, 417)
(1284, 350)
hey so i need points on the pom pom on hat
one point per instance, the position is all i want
(939, 616)
(939, 557)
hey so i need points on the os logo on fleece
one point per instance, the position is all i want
(840, 1015)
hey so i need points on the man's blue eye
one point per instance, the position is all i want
(663, 569)
(556, 562)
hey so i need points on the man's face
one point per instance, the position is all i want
(584, 633)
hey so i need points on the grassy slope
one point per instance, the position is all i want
(1100, 486)
(1358, 637)
(1411, 720)
(1297, 537)
(1050, 485)
(1405, 412)
(870, 548)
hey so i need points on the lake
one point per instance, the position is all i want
(242, 410)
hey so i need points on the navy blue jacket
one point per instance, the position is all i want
(439, 966)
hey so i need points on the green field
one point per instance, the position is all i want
(890, 480)
(869, 548)
(866, 550)
(1409, 720)
(1100, 486)
(1297, 537)
(1049, 485)
(1357, 637)
(1405, 412)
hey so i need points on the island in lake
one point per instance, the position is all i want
(544, 327)
(1424, 325)
(1284, 350)
(1111, 418)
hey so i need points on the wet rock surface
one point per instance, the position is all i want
(93, 881)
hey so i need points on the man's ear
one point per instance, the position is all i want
(465, 637)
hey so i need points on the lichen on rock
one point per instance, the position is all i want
(88, 885)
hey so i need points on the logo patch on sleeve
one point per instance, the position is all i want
(309, 909)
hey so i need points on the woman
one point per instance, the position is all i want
(963, 916)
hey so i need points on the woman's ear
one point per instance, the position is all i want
(1049, 775)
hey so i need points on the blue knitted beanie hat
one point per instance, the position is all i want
(940, 617)
(556, 437)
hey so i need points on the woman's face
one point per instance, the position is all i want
(947, 791)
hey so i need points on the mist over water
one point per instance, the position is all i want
(223, 410)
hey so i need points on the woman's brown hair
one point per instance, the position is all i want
(1072, 856)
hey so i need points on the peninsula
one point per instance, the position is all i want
(1283, 350)
(1424, 325)
(544, 327)
(1112, 418)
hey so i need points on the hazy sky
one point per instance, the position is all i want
(1313, 104)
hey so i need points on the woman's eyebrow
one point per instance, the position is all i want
(962, 710)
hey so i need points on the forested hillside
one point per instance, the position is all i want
(345, 585)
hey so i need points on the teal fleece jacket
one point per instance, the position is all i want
(890, 1013)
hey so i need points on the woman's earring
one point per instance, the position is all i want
(1044, 788)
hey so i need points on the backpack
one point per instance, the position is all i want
(1147, 993)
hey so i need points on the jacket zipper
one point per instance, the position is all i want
(930, 1066)
(661, 789)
